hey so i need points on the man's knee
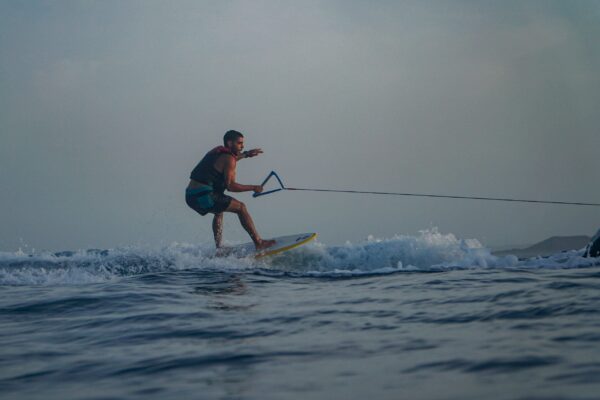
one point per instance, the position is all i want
(218, 219)
(237, 207)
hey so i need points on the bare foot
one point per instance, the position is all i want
(223, 251)
(263, 244)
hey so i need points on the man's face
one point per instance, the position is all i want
(236, 146)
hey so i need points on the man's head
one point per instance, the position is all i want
(234, 141)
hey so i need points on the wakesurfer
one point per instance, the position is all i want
(214, 174)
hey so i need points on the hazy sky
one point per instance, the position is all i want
(106, 106)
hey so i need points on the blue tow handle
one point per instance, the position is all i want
(273, 173)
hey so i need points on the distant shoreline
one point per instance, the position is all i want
(547, 247)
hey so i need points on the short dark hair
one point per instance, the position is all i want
(231, 135)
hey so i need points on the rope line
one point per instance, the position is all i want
(443, 196)
(448, 196)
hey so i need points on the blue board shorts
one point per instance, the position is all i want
(205, 200)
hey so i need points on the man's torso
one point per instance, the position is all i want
(210, 170)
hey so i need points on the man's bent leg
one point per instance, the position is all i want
(240, 209)
(217, 226)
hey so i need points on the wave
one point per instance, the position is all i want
(428, 252)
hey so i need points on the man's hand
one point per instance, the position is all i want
(258, 189)
(252, 153)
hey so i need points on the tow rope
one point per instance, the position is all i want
(443, 196)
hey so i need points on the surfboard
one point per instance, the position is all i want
(282, 243)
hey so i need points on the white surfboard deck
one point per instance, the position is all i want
(282, 243)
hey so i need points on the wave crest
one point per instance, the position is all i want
(427, 252)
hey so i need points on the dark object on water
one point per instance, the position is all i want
(593, 249)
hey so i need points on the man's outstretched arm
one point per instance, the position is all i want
(249, 154)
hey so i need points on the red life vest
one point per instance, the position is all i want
(205, 171)
(222, 150)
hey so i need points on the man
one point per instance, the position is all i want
(212, 176)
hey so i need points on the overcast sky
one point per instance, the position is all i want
(106, 106)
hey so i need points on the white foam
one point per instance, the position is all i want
(93, 266)
(429, 251)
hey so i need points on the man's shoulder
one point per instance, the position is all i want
(226, 159)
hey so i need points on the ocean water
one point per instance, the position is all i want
(409, 317)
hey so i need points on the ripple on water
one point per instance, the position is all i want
(491, 365)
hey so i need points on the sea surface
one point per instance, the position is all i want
(410, 317)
